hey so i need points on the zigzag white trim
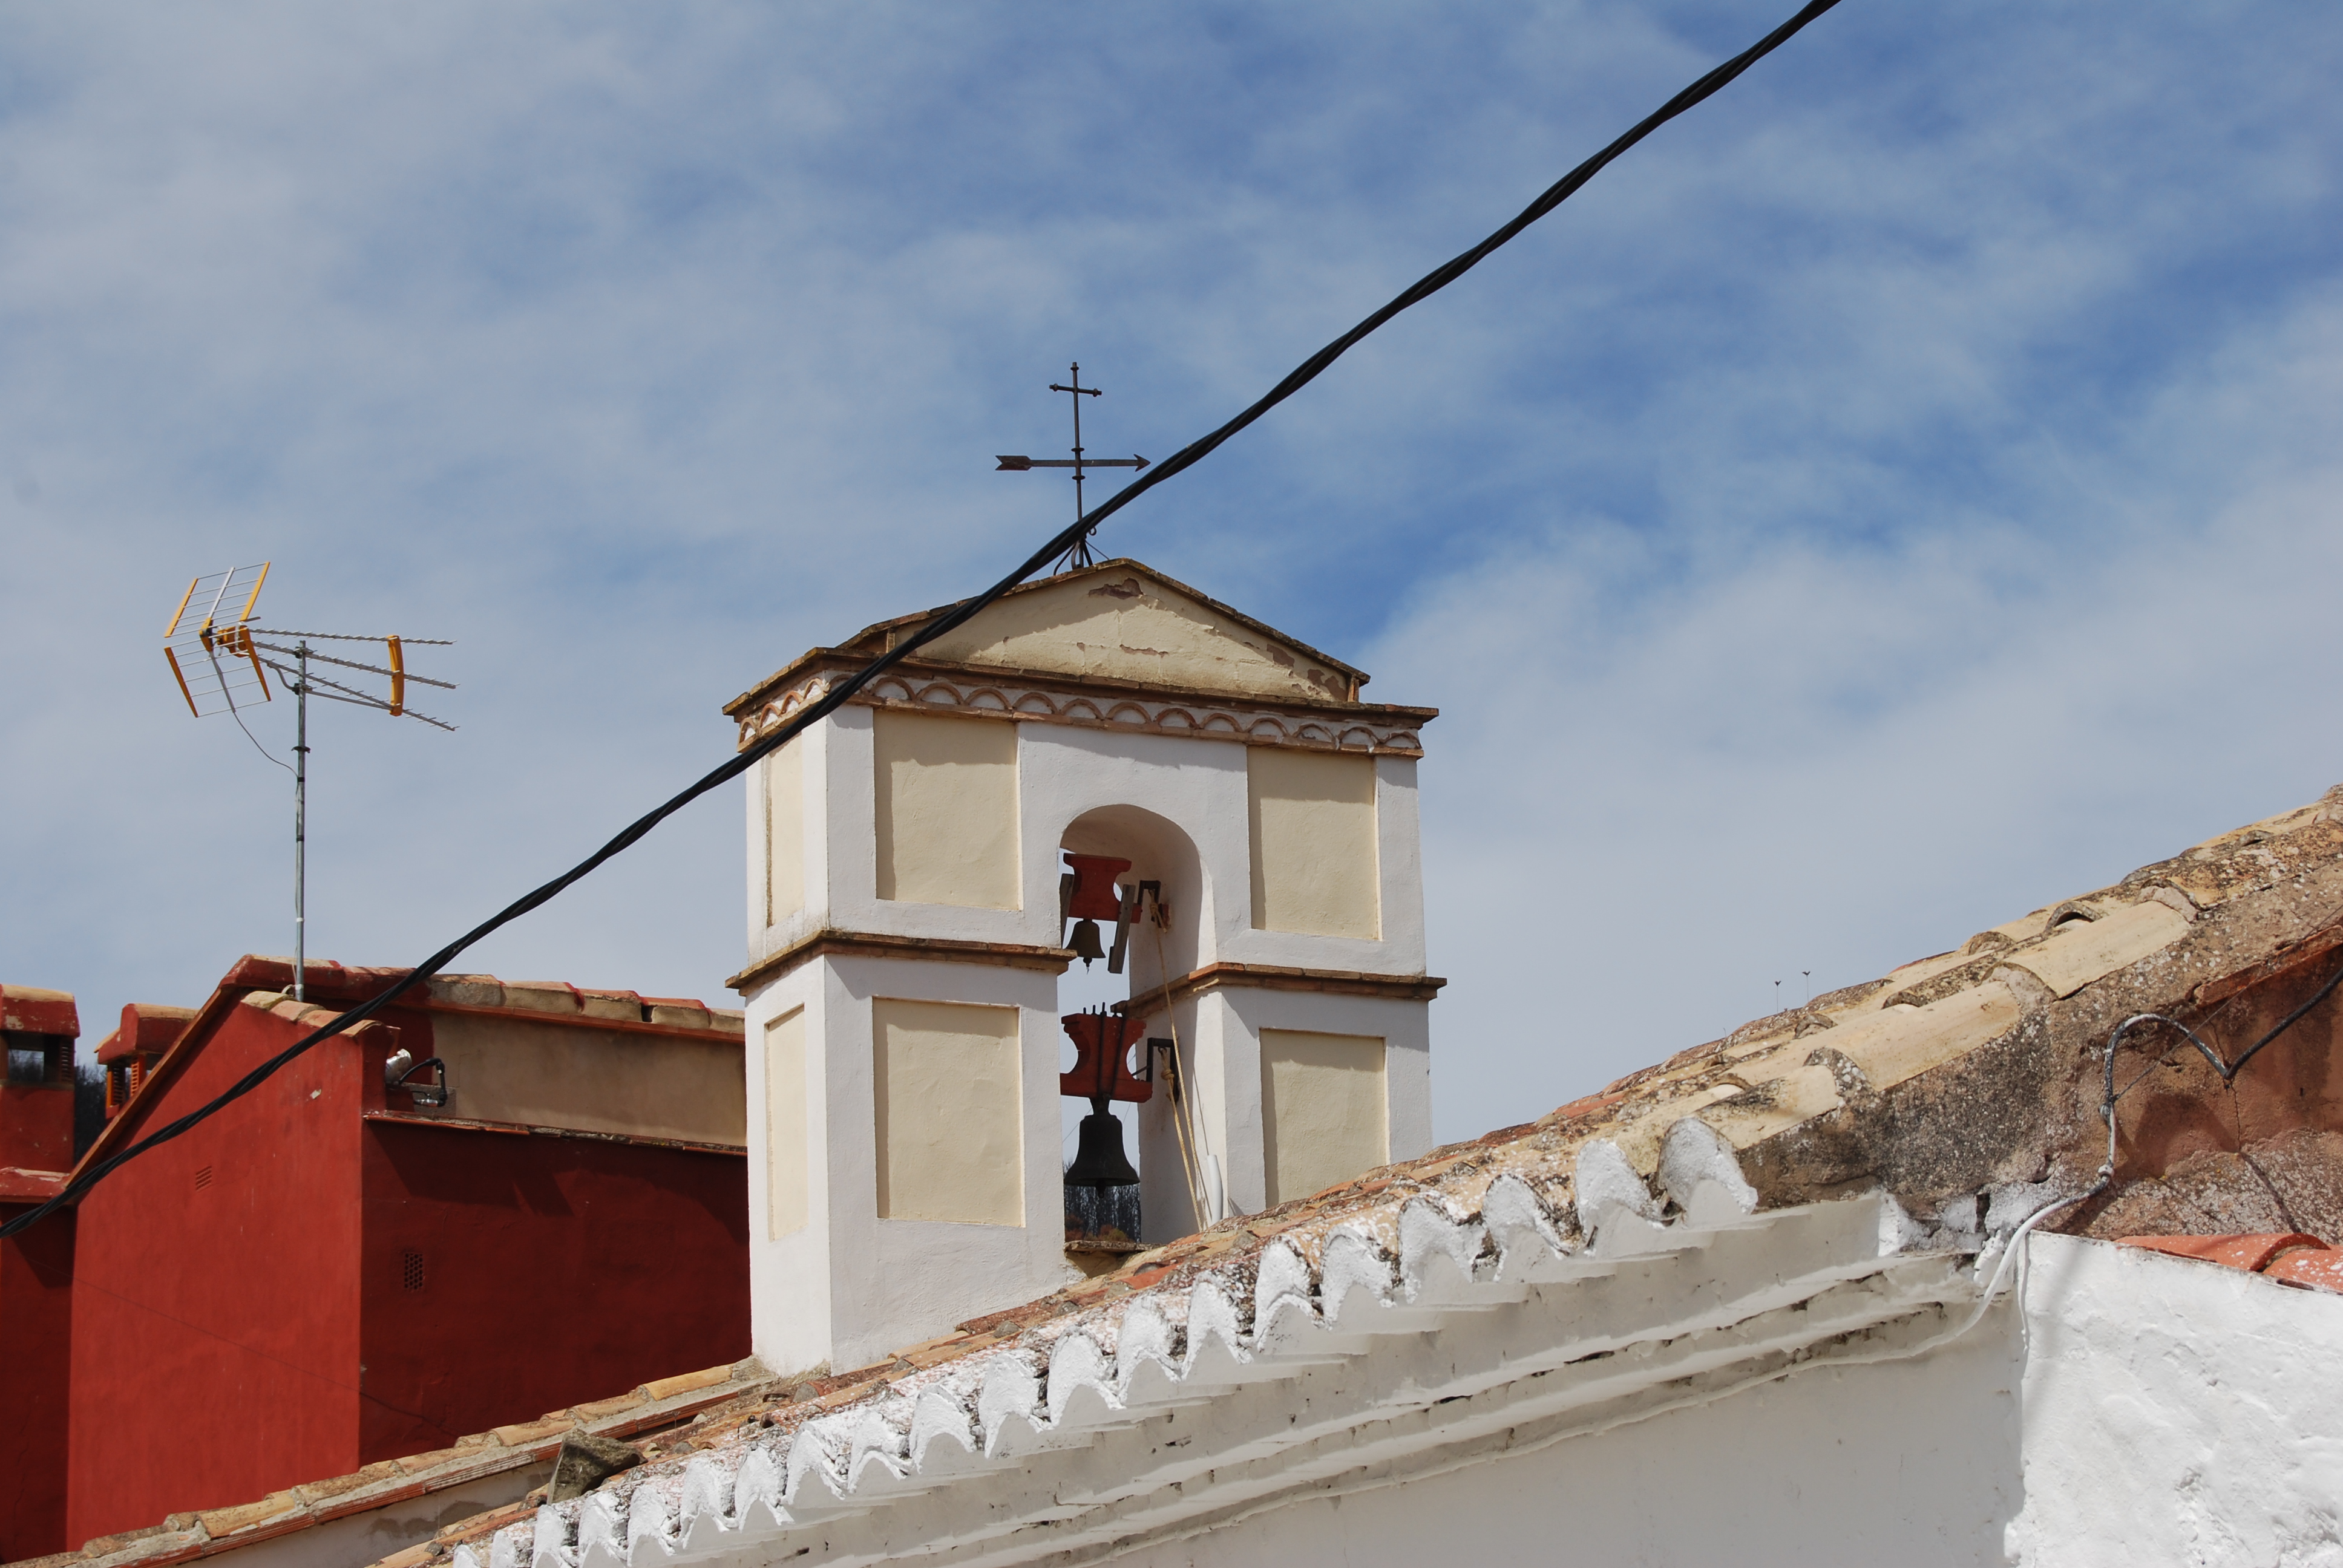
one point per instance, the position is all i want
(1085, 1432)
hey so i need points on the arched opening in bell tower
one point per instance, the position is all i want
(1159, 895)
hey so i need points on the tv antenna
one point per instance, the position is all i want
(218, 652)
(1080, 555)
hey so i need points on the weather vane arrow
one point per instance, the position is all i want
(1081, 554)
(1019, 465)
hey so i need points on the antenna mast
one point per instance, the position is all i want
(215, 648)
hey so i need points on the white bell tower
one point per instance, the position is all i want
(904, 942)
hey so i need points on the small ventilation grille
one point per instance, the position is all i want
(410, 1269)
(203, 1177)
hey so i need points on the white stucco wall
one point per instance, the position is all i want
(846, 1284)
(1063, 774)
(2178, 1411)
(2149, 1410)
(1900, 1463)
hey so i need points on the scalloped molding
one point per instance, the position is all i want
(1029, 703)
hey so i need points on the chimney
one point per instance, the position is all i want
(36, 1099)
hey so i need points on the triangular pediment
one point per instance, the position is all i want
(1120, 620)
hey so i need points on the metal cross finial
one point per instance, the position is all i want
(1080, 556)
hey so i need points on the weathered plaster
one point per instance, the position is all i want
(2176, 1411)
(506, 1069)
(1139, 627)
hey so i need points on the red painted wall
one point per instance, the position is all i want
(216, 1322)
(241, 1331)
(37, 1124)
(37, 1331)
(547, 1271)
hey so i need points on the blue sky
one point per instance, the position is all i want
(1900, 493)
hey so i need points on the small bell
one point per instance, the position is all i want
(1099, 1159)
(1086, 943)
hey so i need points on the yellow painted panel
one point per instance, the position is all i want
(786, 1132)
(784, 833)
(950, 1129)
(1315, 866)
(947, 810)
(1324, 1116)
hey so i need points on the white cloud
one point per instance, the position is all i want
(1645, 809)
(1838, 484)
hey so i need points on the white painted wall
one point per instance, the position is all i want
(2178, 1411)
(847, 1286)
(1891, 1465)
(2152, 1410)
(1064, 773)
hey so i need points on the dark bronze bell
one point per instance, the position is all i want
(1098, 1160)
(1086, 944)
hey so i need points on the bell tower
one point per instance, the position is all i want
(914, 860)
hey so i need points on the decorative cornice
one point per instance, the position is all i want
(1276, 977)
(1032, 698)
(877, 945)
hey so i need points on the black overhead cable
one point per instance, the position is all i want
(953, 615)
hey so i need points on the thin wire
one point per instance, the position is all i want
(1441, 277)
(257, 745)
(945, 621)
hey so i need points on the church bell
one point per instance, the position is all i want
(1098, 1160)
(1087, 895)
(1102, 1072)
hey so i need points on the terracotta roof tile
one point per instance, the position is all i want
(220, 1522)
(520, 1434)
(1778, 1086)
(2318, 1268)
(2247, 1252)
(1783, 1076)
(685, 1383)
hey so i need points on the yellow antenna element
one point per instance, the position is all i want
(255, 597)
(215, 654)
(173, 629)
(217, 672)
(180, 679)
(239, 641)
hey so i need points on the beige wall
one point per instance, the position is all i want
(787, 1132)
(1315, 866)
(947, 810)
(945, 1088)
(1121, 625)
(1324, 1115)
(784, 833)
(593, 1081)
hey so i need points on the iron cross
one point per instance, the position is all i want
(1081, 554)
